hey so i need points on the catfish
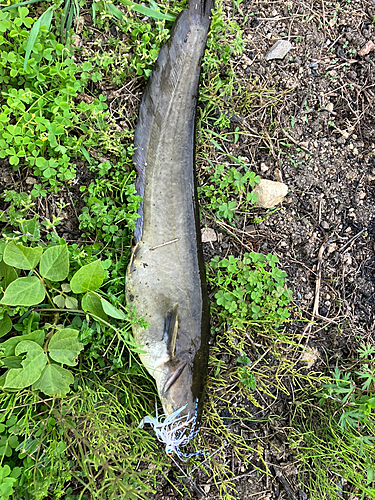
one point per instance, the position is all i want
(165, 280)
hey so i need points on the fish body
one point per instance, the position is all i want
(166, 277)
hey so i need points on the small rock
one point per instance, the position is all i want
(345, 134)
(370, 45)
(278, 175)
(278, 50)
(332, 22)
(76, 41)
(208, 235)
(247, 60)
(329, 107)
(324, 224)
(332, 247)
(31, 181)
(79, 24)
(263, 167)
(341, 52)
(309, 356)
(270, 193)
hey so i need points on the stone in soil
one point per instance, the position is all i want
(278, 50)
(270, 193)
(370, 45)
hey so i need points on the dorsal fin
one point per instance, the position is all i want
(170, 330)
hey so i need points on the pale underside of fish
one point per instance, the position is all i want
(166, 278)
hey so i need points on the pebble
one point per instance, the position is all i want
(331, 248)
(247, 61)
(76, 41)
(31, 181)
(270, 193)
(278, 175)
(309, 356)
(278, 50)
(368, 47)
(208, 235)
(324, 225)
(345, 134)
(329, 107)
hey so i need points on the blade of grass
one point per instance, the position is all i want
(69, 21)
(112, 9)
(44, 19)
(146, 11)
(64, 17)
(21, 4)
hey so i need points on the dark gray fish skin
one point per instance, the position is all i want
(166, 281)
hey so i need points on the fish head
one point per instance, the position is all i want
(175, 385)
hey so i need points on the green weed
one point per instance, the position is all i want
(111, 205)
(328, 457)
(228, 191)
(100, 422)
(251, 288)
(39, 119)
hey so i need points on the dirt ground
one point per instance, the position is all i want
(323, 147)
(316, 132)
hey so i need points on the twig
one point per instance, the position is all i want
(230, 231)
(22, 406)
(315, 312)
(295, 142)
(188, 481)
(352, 239)
(164, 244)
(285, 484)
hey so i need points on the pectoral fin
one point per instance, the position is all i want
(170, 331)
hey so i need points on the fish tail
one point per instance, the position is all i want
(158, 89)
(200, 9)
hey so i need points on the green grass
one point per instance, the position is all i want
(330, 459)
